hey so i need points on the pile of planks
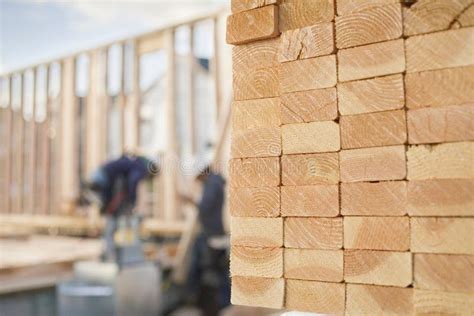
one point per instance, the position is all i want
(352, 170)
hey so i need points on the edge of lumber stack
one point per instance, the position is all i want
(352, 161)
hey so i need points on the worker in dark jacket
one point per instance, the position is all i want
(208, 276)
(116, 182)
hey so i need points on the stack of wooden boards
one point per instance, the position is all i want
(352, 170)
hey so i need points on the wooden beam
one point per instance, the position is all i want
(215, 66)
(254, 291)
(310, 169)
(192, 93)
(170, 168)
(256, 261)
(47, 145)
(69, 171)
(20, 159)
(377, 233)
(313, 233)
(9, 148)
(248, 172)
(254, 25)
(316, 265)
(295, 14)
(316, 297)
(33, 156)
(428, 302)
(308, 201)
(380, 300)
(257, 232)
(378, 267)
(254, 202)
(314, 137)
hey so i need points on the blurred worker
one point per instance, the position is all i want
(209, 272)
(116, 183)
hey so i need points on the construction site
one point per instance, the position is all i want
(251, 157)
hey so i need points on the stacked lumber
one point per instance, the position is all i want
(352, 170)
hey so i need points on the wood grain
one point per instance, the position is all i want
(467, 17)
(314, 200)
(244, 5)
(442, 235)
(256, 84)
(378, 300)
(254, 172)
(377, 233)
(452, 86)
(374, 25)
(440, 50)
(317, 297)
(308, 74)
(262, 292)
(256, 55)
(373, 164)
(313, 233)
(345, 7)
(316, 265)
(442, 303)
(444, 197)
(315, 137)
(427, 16)
(262, 113)
(443, 161)
(441, 124)
(373, 129)
(309, 106)
(371, 60)
(310, 169)
(295, 14)
(257, 142)
(257, 232)
(256, 261)
(444, 272)
(254, 202)
(307, 42)
(253, 25)
(374, 199)
(378, 267)
(371, 95)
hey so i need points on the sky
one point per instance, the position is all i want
(32, 31)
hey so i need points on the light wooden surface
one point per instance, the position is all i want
(371, 60)
(442, 235)
(256, 55)
(451, 273)
(249, 172)
(244, 5)
(313, 233)
(440, 50)
(262, 292)
(310, 169)
(380, 300)
(256, 142)
(427, 16)
(313, 296)
(296, 14)
(443, 161)
(440, 87)
(307, 42)
(308, 106)
(377, 233)
(429, 302)
(254, 202)
(371, 95)
(308, 74)
(256, 84)
(309, 201)
(374, 25)
(374, 199)
(256, 261)
(257, 232)
(345, 7)
(453, 123)
(261, 113)
(315, 137)
(248, 26)
(373, 129)
(442, 197)
(378, 267)
(312, 264)
(373, 164)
